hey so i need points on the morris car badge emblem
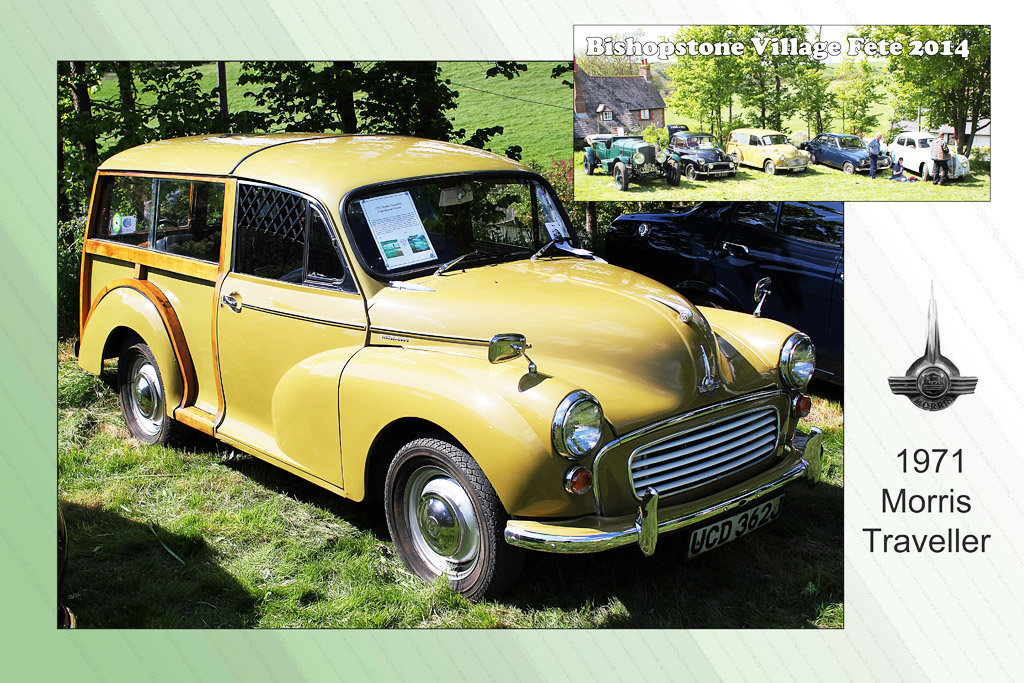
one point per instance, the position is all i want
(709, 384)
(932, 382)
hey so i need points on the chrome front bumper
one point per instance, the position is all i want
(594, 534)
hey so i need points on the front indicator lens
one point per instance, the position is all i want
(802, 405)
(796, 361)
(578, 480)
(577, 425)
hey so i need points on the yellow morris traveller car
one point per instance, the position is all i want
(766, 149)
(414, 321)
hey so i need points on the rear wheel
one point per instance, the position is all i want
(926, 171)
(769, 167)
(446, 520)
(814, 159)
(621, 175)
(142, 394)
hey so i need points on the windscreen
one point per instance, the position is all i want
(410, 229)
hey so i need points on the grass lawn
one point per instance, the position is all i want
(533, 107)
(817, 183)
(200, 536)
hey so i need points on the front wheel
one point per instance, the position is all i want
(848, 168)
(926, 172)
(142, 394)
(769, 167)
(588, 168)
(446, 520)
(621, 176)
(691, 172)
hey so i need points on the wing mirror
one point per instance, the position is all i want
(761, 291)
(509, 346)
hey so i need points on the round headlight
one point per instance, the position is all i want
(576, 427)
(638, 158)
(796, 361)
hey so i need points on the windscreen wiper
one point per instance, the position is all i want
(564, 246)
(445, 266)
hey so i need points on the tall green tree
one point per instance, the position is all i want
(704, 85)
(766, 76)
(954, 89)
(816, 103)
(855, 89)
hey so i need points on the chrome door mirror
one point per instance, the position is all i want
(761, 291)
(509, 346)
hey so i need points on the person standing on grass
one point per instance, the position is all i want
(874, 149)
(940, 155)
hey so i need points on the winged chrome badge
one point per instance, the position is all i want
(933, 382)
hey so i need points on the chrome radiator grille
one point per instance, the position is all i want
(706, 452)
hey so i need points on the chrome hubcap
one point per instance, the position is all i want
(442, 522)
(146, 399)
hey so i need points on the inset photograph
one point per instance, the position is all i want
(814, 113)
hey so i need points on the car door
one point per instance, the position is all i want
(833, 156)
(815, 146)
(289, 316)
(813, 234)
(798, 250)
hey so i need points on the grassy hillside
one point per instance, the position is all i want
(533, 108)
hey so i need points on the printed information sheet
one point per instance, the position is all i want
(397, 230)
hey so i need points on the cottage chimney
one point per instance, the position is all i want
(579, 105)
(645, 70)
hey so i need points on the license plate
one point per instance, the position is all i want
(649, 168)
(722, 531)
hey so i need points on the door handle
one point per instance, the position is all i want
(232, 302)
(734, 249)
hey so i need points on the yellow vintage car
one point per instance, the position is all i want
(769, 150)
(413, 321)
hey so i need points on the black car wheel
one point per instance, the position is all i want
(848, 168)
(621, 175)
(814, 159)
(446, 520)
(691, 172)
(587, 167)
(142, 394)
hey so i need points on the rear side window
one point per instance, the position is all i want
(190, 216)
(280, 235)
(818, 221)
(180, 217)
(739, 138)
(127, 210)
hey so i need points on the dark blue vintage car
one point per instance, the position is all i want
(716, 252)
(695, 155)
(842, 151)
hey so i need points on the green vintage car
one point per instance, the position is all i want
(628, 158)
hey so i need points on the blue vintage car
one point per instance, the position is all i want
(842, 151)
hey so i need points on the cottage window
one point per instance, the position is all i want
(645, 114)
(606, 115)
